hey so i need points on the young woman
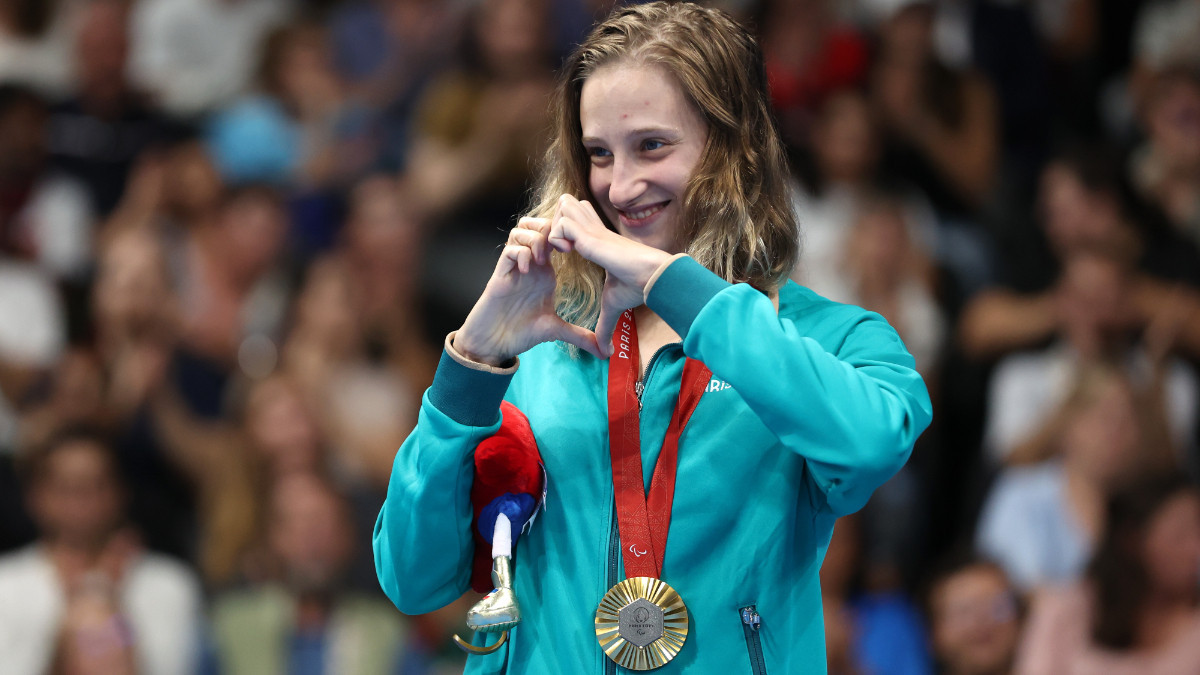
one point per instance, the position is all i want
(658, 253)
(1138, 610)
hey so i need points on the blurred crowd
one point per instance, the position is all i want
(233, 234)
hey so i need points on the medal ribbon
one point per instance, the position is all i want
(643, 520)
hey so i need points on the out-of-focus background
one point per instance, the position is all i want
(233, 234)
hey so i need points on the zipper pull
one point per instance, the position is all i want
(751, 618)
(639, 388)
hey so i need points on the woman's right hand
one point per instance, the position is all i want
(516, 310)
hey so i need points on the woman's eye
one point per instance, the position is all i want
(598, 153)
(652, 145)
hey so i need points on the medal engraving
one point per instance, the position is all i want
(640, 622)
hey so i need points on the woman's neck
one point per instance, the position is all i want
(652, 334)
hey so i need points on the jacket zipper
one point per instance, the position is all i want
(614, 550)
(640, 386)
(751, 622)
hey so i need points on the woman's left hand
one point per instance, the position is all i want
(629, 264)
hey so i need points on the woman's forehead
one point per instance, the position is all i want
(628, 98)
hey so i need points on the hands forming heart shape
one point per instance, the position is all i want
(516, 310)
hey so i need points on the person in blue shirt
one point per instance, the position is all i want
(649, 281)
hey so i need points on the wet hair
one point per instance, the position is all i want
(737, 214)
(1117, 571)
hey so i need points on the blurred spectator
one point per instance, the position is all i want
(45, 216)
(1166, 34)
(235, 467)
(171, 191)
(357, 344)
(479, 128)
(32, 338)
(1083, 208)
(303, 621)
(387, 51)
(300, 128)
(1166, 169)
(940, 124)
(481, 125)
(888, 274)
(1041, 522)
(974, 618)
(841, 178)
(809, 55)
(870, 625)
(1137, 612)
(1096, 318)
(32, 313)
(111, 381)
(71, 395)
(196, 55)
(86, 598)
(98, 134)
(234, 295)
(35, 43)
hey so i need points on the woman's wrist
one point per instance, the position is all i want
(473, 351)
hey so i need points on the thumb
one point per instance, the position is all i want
(605, 325)
(580, 337)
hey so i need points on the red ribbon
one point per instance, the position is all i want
(644, 519)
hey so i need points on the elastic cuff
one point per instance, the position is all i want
(681, 290)
(475, 365)
(467, 392)
(658, 273)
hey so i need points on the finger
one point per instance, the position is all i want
(561, 234)
(514, 256)
(532, 239)
(542, 227)
(524, 257)
(538, 224)
(592, 210)
(580, 337)
(508, 260)
(605, 325)
(557, 209)
(572, 208)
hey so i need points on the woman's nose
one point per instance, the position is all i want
(627, 184)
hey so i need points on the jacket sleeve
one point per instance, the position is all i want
(843, 394)
(422, 540)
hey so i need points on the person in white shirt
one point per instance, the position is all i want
(85, 598)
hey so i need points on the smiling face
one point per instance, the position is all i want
(644, 138)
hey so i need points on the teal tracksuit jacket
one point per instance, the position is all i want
(809, 410)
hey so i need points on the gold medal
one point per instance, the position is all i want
(641, 623)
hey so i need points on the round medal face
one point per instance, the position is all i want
(641, 623)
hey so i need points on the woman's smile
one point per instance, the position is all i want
(641, 216)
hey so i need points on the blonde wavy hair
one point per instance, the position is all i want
(737, 213)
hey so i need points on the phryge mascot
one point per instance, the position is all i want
(509, 489)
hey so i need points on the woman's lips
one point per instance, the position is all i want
(643, 215)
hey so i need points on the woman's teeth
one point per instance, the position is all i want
(644, 213)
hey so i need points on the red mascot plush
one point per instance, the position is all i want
(509, 488)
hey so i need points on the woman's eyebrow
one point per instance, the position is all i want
(643, 131)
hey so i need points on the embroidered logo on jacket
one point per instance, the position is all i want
(717, 385)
